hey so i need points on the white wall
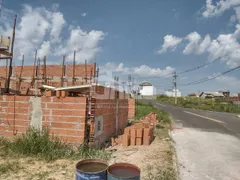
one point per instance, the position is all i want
(147, 91)
(172, 93)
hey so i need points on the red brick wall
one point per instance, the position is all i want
(80, 70)
(107, 109)
(131, 108)
(22, 115)
(122, 113)
(3, 71)
(65, 117)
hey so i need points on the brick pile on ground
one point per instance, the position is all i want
(140, 133)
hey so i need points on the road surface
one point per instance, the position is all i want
(207, 143)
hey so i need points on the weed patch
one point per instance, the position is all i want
(42, 145)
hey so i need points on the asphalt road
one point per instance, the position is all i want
(227, 123)
(207, 143)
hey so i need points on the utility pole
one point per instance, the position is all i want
(175, 85)
(74, 65)
(11, 58)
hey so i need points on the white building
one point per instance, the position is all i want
(173, 92)
(147, 89)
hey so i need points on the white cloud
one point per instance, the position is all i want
(84, 14)
(143, 70)
(84, 43)
(170, 42)
(211, 10)
(41, 28)
(57, 25)
(44, 49)
(195, 45)
(194, 39)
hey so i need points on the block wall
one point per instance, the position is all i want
(64, 117)
(111, 115)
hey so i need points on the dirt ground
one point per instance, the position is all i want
(155, 161)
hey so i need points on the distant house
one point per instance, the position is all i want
(173, 92)
(146, 89)
(211, 95)
(226, 93)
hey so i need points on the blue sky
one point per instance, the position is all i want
(127, 37)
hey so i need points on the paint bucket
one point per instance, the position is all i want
(123, 171)
(91, 169)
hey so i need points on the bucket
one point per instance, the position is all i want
(123, 171)
(91, 169)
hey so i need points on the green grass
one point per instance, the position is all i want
(45, 146)
(219, 105)
(143, 109)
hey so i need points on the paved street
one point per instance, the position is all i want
(207, 143)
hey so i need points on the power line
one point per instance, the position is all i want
(203, 65)
(211, 78)
(198, 67)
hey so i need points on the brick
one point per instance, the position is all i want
(68, 139)
(49, 93)
(75, 100)
(46, 99)
(63, 94)
(9, 116)
(60, 112)
(133, 141)
(65, 106)
(133, 132)
(127, 130)
(139, 141)
(16, 104)
(58, 94)
(138, 125)
(68, 132)
(146, 140)
(17, 122)
(125, 140)
(67, 125)
(147, 131)
(18, 110)
(139, 133)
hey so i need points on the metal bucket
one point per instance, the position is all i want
(91, 169)
(121, 171)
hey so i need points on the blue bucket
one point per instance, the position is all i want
(91, 169)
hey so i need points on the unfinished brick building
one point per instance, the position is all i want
(25, 77)
(95, 116)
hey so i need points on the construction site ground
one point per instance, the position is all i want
(155, 162)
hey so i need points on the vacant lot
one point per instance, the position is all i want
(40, 156)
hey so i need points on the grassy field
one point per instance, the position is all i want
(204, 104)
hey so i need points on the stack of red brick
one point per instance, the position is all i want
(141, 133)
